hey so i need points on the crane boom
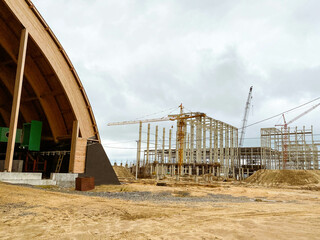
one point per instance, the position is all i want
(245, 117)
(302, 114)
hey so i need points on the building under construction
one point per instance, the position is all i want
(290, 148)
(200, 145)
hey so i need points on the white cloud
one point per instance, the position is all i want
(139, 57)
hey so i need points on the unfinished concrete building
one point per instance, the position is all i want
(291, 149)
(198, 145)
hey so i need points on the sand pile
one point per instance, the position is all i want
(285, 177)
(123, 173)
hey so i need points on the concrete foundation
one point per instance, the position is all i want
(31, 178)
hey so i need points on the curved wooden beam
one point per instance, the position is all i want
(53, 51)
(37, 81)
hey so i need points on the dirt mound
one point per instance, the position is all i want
(123, 173)
(285, 177)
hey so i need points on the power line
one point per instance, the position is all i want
(283, 112)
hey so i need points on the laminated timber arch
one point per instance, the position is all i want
(44, 49)
(52, 91)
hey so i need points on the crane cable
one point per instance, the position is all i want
(279, 114)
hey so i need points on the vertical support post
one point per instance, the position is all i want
(210, 144)
(191, 142)
(226, 149)
(148, 144)
(198, 139)
(16, 100)
(221, 154)
(215, 142)
(177, 148)
(188, 149)
(169, 158)
(163, 145)
(304, 148)
(296, 147)
(204, 130)
(138, 150)
(156, 146)
(75, 134)
(232, 148)
(184, 153)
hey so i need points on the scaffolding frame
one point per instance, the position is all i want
(209, 146)
(302, 150)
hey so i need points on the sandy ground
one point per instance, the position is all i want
(269, 213)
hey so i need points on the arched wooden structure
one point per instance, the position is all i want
(51, 89)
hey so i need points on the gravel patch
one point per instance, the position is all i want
(158, 197)
(164, 197)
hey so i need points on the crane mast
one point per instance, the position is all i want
(245, 117)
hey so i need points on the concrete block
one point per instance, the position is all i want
(31, 181)
(64, 179)
(19, 176)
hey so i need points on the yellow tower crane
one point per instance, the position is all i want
(181, 124)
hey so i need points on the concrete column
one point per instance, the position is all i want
(139, 149)
(177, 147)
(203, 170)
(170, 154)
(198, 140)
(184, 153)
(163, 145)
(190, 170)
(248, 172)
(187, 155)
(192, 141)
(157, 171)
(148, 144)
(156, 146)
(16, 100)
(227, 149)
(215, 142)
(221, 144)
(204, 128)
(197, 170)
(210, 144)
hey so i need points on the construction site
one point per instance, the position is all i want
(203, 146)
(193, 176)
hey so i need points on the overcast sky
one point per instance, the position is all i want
(136, 58)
